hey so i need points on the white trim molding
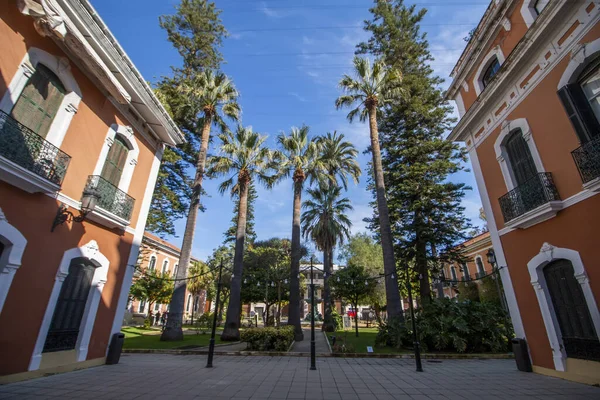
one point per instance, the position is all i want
(70, 103)
(509, 127)
(91, 252)
(580, 56)
(509, 291)
(137, 241)
(547, 254)
(485, 62)
(528, 12)
(10, 259)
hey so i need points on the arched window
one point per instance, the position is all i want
(466, 273)
(519, 157)
(189, 301)
(490, 71)
(115, 161)
(39, 101)
(68, 313)
(165, 266)
(480, 267)
(577, 330)
(175, 269)
(152, 264)
(581, 100)
(453, 273)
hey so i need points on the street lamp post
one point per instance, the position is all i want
(211, 346)
(312, 319)
(491, 256)
(416, 343)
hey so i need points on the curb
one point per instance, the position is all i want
(327, 341)
(424, 356)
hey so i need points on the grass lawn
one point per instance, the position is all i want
(140, 338)
(366, 337)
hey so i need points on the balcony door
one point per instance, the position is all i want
(39, 101)
(519, 156)
(576, 326)
(115, 161)
(68, 313)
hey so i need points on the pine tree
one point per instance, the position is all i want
(425, 208)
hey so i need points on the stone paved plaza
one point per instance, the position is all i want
(142, 376)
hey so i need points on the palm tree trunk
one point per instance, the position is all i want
(279, 303)
(356, 316)
(392, 293)
(294, 307)
(328, 324)
(231, 332)
(173, 329)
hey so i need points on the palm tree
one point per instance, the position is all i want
(326, 223)
(215, 96)
(245, 156)
(339, 158)
(300, 158)
(372, 88)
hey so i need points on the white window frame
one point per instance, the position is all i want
(502, 156)
(142, 306)
(92, 252)
(482, 264)
(165, 266)
(150, 266)
(477, 81)
(453, 273)
(466, 272)
(70, 103)
(125, 133)
(14, 245)
(547, 254)
(580, 57)
(528, 12)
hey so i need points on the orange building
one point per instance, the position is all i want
(477, 266)
(81, 138)
(527, 88)
(159, 255)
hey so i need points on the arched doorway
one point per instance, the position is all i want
(579, 337)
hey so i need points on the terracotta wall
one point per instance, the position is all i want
(507, 40)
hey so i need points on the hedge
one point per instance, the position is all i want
(266, 339)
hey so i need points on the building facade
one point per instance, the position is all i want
(81, 135)
(527, 88)
(159, 255)
(475, 268)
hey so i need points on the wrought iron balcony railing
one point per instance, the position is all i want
(111, 198)
(587, 159)
(29, 150)
(535, 192)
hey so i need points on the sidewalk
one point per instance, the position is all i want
(304, 346)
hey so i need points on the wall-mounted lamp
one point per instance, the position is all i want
(88, 204)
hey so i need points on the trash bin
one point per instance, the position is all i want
(114, 350)
(519, 347)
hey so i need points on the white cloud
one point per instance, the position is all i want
(306, 40)
(297, 96)
(269, 12)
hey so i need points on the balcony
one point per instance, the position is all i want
(534, 201)
(114, 206)
(27, 160)
(587, 159)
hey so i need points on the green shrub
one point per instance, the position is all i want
(338, 320)
(468, 291)
(204, 323)
(446, 325)
(267, 339)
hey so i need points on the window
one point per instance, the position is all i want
(576, 326)
(453, 273)
(165, 266)
(156, 307)
(521, 162)
(175, 269)
(152, 264)
(490, 72)
(480, 267)
(581, 100)
(39, 101)
(539, 5)
(115, 161)
(142, 306)
(466, 273)
(189, 301)
(68, 313)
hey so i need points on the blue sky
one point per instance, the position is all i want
(286, 58)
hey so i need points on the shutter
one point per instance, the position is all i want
(39, 101)
(115, 161)
(580, 112)
(520, 158)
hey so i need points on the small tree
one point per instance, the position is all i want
(354, 285)
(152, 286)
(199, 280)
